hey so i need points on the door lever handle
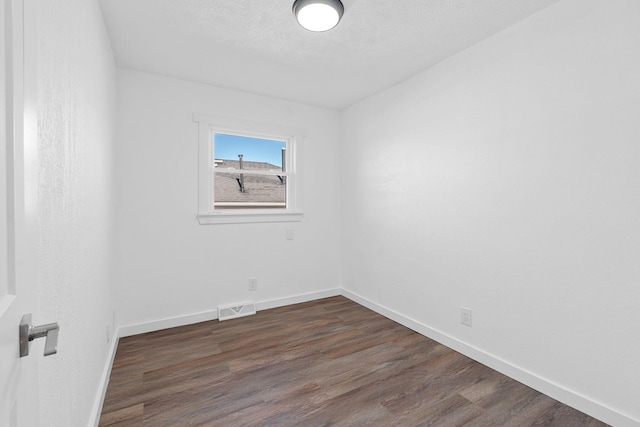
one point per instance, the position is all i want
(28, 333)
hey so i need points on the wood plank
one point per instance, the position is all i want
(326, 362)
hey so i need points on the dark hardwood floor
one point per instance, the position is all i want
(327, 362)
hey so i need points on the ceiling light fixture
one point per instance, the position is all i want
(318, 15)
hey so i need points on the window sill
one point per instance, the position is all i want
(248, 218)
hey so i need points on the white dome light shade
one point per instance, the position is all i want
(318, 15)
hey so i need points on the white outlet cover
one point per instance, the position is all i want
(465, 316)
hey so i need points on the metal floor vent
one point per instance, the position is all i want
(232, 311)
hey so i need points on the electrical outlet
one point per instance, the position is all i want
(289, 235)
(253, 284)
(465, 316)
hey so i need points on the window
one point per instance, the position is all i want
(247, 172)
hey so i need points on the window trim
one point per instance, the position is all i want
(207, 126)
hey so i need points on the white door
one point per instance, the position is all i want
(18, 375)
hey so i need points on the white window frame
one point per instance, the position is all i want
(208, 126)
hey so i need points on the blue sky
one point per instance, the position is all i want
(227, 147)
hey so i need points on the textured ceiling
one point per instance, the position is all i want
(256, 45)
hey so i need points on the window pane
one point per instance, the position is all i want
(244, 191)
(243, 152)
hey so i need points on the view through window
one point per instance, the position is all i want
(249, 172)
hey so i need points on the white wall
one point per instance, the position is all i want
(167, 265)
(506, 179)
(76, 120)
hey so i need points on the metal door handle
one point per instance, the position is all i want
(28, 333)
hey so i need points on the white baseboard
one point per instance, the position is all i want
(297, 299)
(171, 322)
(543, 385)
(96, 410)
(189, 319)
